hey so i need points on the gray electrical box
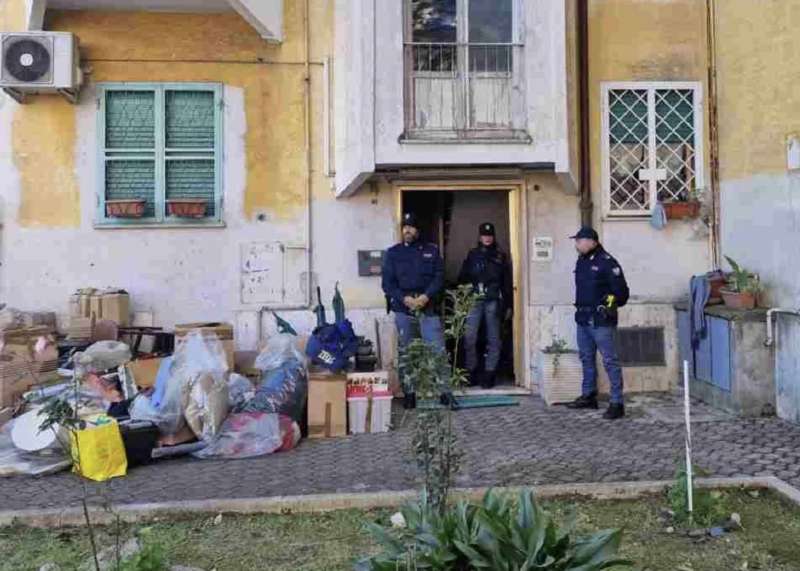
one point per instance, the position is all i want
(370, 262)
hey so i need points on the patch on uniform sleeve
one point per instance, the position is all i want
(427, 255)
(617, 271)
(595, 268)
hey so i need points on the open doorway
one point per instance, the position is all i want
(450, 219)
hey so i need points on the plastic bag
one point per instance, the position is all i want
(98, 452)
(283, 390)
(198, 355)
(105, 355)
(240, 390)
(280, 349)
(206, 398)
(249, 434)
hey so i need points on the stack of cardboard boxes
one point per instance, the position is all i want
(29, 356)
(89, 305)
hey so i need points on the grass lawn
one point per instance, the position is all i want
(770, 540)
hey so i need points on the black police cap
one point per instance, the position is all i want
(587, 233)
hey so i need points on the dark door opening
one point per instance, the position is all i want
(450, 219)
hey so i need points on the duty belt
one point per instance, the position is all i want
(586, 309)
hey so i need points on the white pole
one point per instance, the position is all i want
(686, 408)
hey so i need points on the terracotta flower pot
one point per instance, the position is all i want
(187, 207)
(125, 208)
(682, 210)
(739, 300)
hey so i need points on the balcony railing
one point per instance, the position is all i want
(456, 91)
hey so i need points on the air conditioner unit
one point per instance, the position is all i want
(40, 62)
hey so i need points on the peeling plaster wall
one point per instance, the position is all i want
(48, 157)
(758, 57)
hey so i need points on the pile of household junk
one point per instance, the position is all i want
(99, 422)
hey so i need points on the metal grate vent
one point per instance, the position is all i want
(641, 346)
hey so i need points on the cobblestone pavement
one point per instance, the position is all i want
(524, 445)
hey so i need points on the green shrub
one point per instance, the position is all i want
(498, 534)
(706, 509)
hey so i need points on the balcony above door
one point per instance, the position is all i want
(453, 84)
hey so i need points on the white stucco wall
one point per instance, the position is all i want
(182, 275)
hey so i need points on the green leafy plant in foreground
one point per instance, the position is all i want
(497, 534)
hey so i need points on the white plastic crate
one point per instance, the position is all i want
(358, 411)
(363, 383)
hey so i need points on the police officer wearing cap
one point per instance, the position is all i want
(488, 270)
(600, 289)
(413, 277)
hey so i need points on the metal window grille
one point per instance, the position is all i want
(652, 145)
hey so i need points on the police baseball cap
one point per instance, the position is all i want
(587, 233)
(486, 229)
(410, 220)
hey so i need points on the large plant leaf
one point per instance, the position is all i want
(476, 559)
(596, 551)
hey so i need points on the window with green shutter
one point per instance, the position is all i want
(160, 154)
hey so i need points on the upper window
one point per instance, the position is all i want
(462, 67)
(652, 145)
(160, 154)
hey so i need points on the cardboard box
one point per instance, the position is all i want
(116, 307)
(96, 306)
(327, 405)
(144, 371)
(222, 331)
(29, 356)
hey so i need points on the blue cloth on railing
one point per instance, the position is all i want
(699, 292)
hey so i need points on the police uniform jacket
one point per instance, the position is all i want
(598, 275)
(490, 267)
(412, 269)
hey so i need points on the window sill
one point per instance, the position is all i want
(157, 226)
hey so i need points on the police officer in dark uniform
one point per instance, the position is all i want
(600, 289)
(488, 269)
(413, 278)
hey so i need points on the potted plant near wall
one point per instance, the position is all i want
(742, 287)
(192, 207)
(561, 372)
(125, 208)
(688, 207)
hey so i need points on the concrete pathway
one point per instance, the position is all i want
(524, 445)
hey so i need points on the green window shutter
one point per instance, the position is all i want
(130, 147)
(160, 142)
(191, 146)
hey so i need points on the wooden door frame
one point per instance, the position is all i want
(518, 246)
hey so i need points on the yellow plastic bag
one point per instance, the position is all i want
(98, 452)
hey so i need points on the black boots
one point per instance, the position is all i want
(584, 401)
(409, 401)
(615, 411)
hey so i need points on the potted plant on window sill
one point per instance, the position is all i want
(685, 206)
(125, 208)
(742, 288)
(187, 207)
(561, 372)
